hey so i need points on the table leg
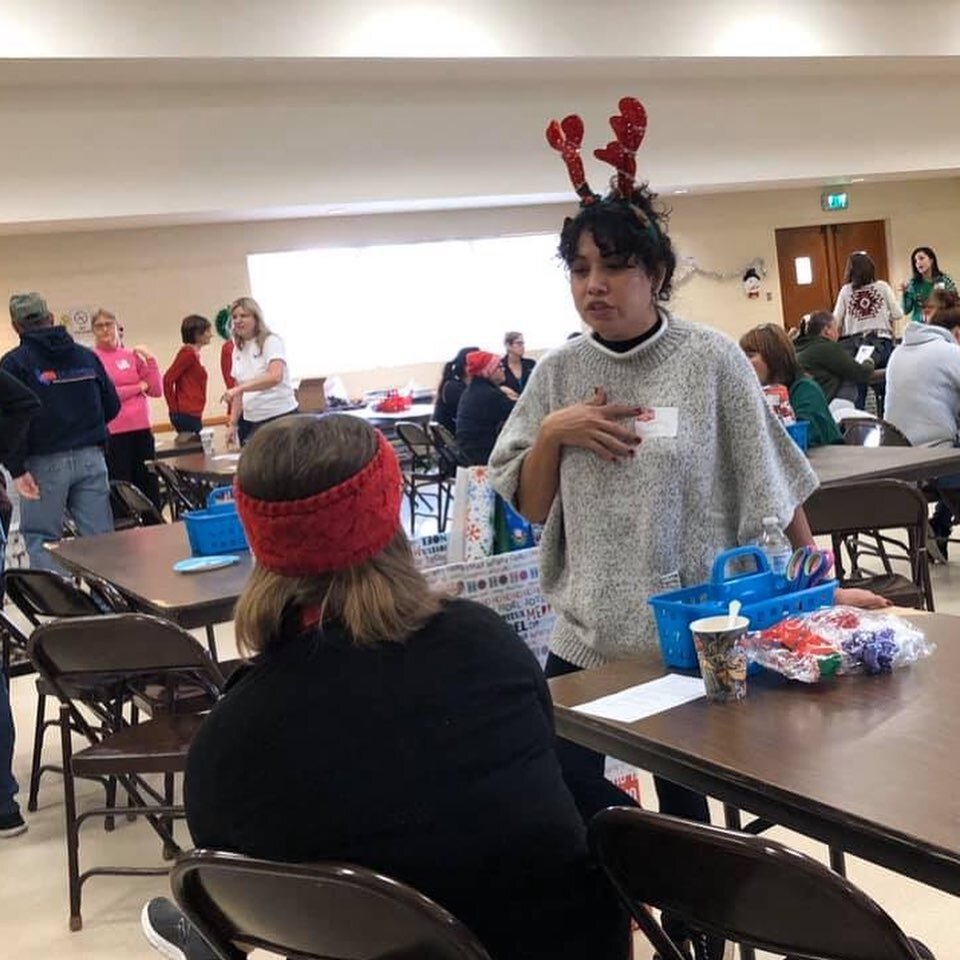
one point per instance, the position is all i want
(212, 643)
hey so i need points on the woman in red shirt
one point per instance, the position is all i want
(185, 382)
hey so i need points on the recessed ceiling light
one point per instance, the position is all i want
(858, 179)
(681, 191)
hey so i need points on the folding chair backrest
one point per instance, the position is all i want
(417, 441)
(873, 433)
(41, 594)
(130, 502)
(741, 887)
(130, 644)
(870, 505)
(447, 446)
(332, 911)
(181, 497)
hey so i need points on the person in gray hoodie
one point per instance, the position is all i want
(923, 399)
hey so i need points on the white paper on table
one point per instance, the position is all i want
(645, 699)
(864, 353)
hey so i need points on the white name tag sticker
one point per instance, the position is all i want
(123, 364)
(657, 422)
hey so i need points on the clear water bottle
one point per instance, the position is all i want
(775, 545)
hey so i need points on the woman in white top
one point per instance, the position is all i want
(263, 391)
(866, 310)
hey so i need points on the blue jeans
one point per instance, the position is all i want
(75, 480)
(8, 785)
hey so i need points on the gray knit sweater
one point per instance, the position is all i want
(618, 533)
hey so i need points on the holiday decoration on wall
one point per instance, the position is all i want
(688, 267)
(751, 284)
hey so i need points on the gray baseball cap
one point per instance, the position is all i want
(25, 305)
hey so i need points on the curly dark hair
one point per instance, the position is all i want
(633, 229)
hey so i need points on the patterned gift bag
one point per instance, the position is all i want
(472, 525)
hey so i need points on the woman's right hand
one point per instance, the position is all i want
(594, 426)
(903, 286)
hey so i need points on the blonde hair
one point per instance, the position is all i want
(382, 600)
(261, 330)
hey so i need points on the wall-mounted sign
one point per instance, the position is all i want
(835, 201)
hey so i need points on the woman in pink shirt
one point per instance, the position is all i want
(136, 376)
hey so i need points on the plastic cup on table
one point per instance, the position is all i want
(723, 661)
(206, 440)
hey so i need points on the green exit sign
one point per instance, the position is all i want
(835, 201)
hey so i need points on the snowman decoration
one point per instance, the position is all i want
(751, 284)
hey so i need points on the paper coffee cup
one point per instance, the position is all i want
(723, 661)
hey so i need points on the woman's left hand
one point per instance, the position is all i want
(230, 395)
(143, 353)
(857, 597)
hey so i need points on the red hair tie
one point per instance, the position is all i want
(331, 530)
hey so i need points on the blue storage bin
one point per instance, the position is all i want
(767, 598)
(799, 432)
(217, 529)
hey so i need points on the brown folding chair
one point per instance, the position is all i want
(42, 595)
(182, 495)
(843, 512)
(425, 480)
(132, 651)
(864, 432)
(132, 507)
(740, 887)
(313, 911)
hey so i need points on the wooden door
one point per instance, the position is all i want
(812, 260)
(806, 283)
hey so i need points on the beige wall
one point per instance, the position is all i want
(153, 277)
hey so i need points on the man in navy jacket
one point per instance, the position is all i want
(59, 464)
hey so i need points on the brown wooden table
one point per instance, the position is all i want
(220, 468)
(840, 464)
(868, 765)
(165, 446)
(139, 563)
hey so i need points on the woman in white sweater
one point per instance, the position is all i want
(866, 310)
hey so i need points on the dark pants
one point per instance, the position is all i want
(127, 454)
(247, 428)
(186, 422)
(882, 348)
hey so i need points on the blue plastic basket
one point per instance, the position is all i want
(217, 529)
(767, 599)
(799, 432)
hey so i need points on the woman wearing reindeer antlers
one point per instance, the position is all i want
(645, 448)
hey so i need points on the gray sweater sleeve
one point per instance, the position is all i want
(519, 433)
(770, 474)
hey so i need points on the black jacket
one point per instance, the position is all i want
(512, 382)
(483, 410)
(18, 405)
(448, 399)
(77, 398)
(431, 760)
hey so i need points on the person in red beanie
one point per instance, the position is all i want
(397, 729)
(483, 408)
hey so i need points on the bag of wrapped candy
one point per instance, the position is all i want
(838, 640)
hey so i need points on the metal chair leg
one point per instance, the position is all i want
(70, 813)
(38, 731)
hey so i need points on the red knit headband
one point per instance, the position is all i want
(331, 530)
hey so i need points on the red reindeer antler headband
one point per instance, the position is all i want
(629, 126)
